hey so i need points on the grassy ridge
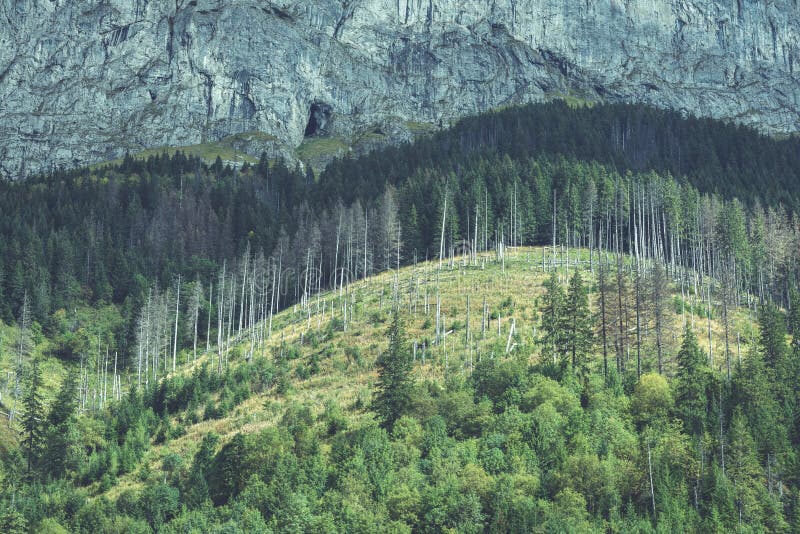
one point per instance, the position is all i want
(228, 149)
(344, 356)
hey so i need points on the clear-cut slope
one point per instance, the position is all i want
(84, 81)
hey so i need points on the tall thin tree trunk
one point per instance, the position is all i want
(175, 339)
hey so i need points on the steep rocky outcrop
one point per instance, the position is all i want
(84, 81)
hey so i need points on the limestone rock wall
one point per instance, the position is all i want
(83, 81)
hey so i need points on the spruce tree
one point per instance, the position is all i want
(65, 402)
(395, 383)
(59, 428)
(691, 384)
(554, 331)
(793, 320)
(12, 521)
(196, 490)
(32, 420)
(580, 334)
(743, 469)
(773, 336)
(752, 388)
(792, 371)
(775, 353)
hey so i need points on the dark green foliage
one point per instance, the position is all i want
(692, 385)
(13, 522)
(60, 434)
(500, 381)
(755, 389)
(196, 490)
(33, 417)
(228, 474)
(507, 450)
(791, 371)
(554, 324)
(773, 336)
(107, 234)
(514, 446)
(743, 469)
(334, 418)
(653, 140)
(158, 504)
(395, 384)
(580, 334)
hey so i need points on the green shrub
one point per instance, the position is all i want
(353, 355)
(302, 372)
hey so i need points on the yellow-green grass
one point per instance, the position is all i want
(226, 149)
(420, 128)
(574, 99)
(510, 289)
(314, 148)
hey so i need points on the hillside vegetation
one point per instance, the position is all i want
(546, 318)
(500, 431)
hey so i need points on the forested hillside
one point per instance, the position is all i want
(151, 308)
(488, 393)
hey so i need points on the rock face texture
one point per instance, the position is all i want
(83, 81)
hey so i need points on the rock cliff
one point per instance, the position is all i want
(83, 81)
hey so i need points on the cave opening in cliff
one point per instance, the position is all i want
(318, 117)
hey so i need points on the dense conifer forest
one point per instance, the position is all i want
(643, 375)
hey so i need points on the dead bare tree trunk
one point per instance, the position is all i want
(177, 310)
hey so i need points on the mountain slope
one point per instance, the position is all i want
(285, 434)
(80, 83)
(330, 344)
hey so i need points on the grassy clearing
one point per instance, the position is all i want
(573, 99)
(321, 147)
(420, 128)
(228, 149)
(346, 356)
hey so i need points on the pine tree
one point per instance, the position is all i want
(32, 420)
(773, 336)
(691, 384)
(196, 490)
(753, 387)
(553, 327)
(743, 469)
(792, 369)
(395, 383)
(60, 421)
(580, 335)
(793, 320)
(775, 352)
